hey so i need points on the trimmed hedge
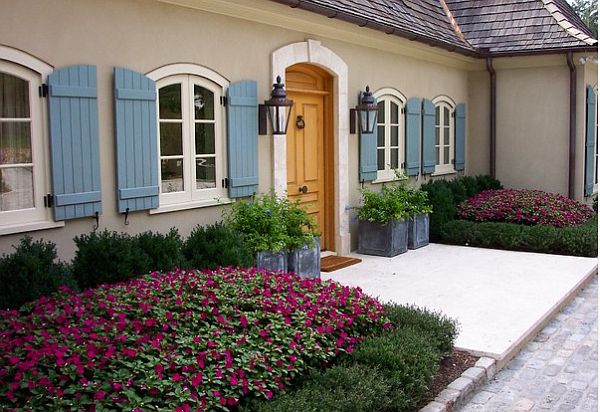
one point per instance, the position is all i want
(579, 240)
(31, 271)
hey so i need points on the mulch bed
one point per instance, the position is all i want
(451, 368)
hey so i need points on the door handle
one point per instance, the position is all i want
(303, 189)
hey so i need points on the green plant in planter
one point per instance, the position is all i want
(392, 203)
(418, 201)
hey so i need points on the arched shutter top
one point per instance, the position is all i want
(413, 136)
(459, 136)
(428, 136)
(590, 143)
(368, 153)
(137, 146)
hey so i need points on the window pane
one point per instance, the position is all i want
(16, 188)
(205, 173)
(394, 137)
(446, 155)
(394, 112)
(394, 158)
(381, 112)
(446, 116)
(14, 97)
(380, 136)
(380, 159)
(15, 142)
(171, 175)
(437, 115)
(169, 100)
(170, 139)
(205, 138)
(437, 136)
(446, 135)
(204, 103)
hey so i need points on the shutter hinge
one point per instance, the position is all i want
(225, 183)
(223, 100)
(48, 200)
(43, 90)
(454, 113)
(402, 110)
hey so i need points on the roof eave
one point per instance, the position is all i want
(579, 49)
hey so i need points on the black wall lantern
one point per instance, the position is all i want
(278, 108)
(367, 112)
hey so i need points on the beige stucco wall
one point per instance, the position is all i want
(478, 147)
(143, 35)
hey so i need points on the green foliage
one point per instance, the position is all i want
(394, 202)
(587, 10)
(440, 329)
(216, 245)
(108, 257)
(31, 271)
(579, 240)
(164, 251)
(271, 223)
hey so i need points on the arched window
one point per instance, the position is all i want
(444, 134)
(191, 133)
(390, 132)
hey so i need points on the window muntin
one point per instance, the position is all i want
(192, 147)
(22, 163)
(444, 137)
(390, 136)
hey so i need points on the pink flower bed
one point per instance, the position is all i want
(530, 207)
(181, 341)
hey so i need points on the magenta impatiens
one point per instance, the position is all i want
(530, 207)
(185, 340)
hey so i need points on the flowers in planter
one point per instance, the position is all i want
(182, 341)
(529, 207)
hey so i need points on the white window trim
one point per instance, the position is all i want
(389, 94)
(444, 169)
(192, 197)
(27, 67)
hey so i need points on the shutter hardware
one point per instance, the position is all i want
(48, 200)
(43, 90)
(223, 100)
(225, 183)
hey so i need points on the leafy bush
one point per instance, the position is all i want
(579, 240)
(30, 272)
(179, 341)
(394, 202)
(440, 329)
(164, 251)
(269, 222)
(216, 245)
(530, 207)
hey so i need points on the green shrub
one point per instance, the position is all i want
(342, 388)
(30, 272)
(164, 251)
(216, 245)
(579, 240)
(407, 361)
(108, 257)
(440, 329)
(486, 182)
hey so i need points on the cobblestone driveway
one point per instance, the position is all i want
(557, 371)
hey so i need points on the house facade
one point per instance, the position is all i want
(136, 115)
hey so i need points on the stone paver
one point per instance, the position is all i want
(557, 371)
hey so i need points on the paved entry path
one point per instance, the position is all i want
(557, 371)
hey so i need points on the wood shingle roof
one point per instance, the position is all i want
(472, 27)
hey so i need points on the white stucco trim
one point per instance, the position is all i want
(188, 68)
(312, 51)
(24, 59)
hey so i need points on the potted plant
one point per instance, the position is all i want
(383, 221)
(279, 232)
(418, 222)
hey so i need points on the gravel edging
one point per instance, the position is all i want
(461, 388)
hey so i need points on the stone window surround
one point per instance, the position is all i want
(311, 51)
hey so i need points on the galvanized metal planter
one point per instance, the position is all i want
(306, 261)
(272, 261)
(380, 239)
(418, 231)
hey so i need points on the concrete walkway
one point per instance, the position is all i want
(557, 371)
(500, 298)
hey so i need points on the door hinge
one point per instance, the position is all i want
(43, 90)
(223, 100)
(225, 183)
(48, 200)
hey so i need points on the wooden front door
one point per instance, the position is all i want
(310, 146)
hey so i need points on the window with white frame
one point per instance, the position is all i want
(22, 146)
(390, 133)
(191, 137)
(444, 135)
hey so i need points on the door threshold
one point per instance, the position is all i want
(325, 253)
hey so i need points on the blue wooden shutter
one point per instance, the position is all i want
(590, 134)
(137, 147)
(242, 138)
(459, 137)
(413, 136)
(74, 142)
(428, 137)
(368, 153)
